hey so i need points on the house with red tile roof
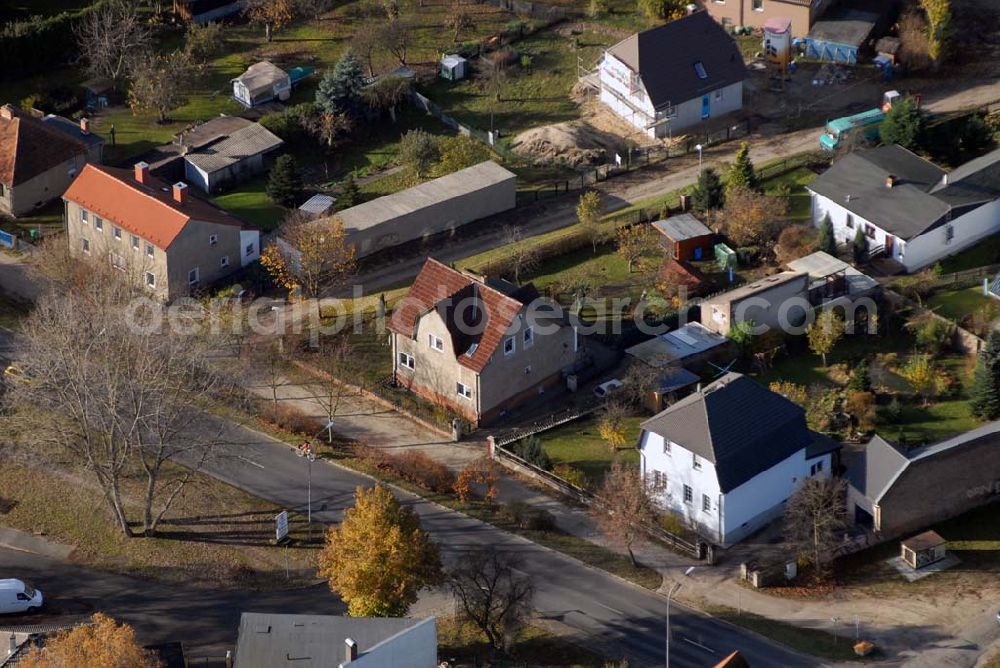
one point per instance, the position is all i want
(170, 241)
(478, 346)
(37, 162)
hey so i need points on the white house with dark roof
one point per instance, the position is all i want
(674, 76)
(229, 158)
(729, 456)
(909, 208)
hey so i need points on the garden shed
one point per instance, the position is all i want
(685, 237)
(924, 549)
(454, 67)
(262, 82)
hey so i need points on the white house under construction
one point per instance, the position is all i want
(674, 76)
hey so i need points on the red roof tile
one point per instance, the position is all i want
(437, 282)
(147, 209)
(29, 147)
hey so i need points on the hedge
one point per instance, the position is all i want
(37, 44)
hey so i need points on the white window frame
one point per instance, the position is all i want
(463, 390)
(98, 223)
(136, 242)
(150, 279)
(529, 337)
(149, 249)
(86, 246)
(688, 494)
(117, 261)
(224, 261)
(197, 276)
(509, 342)
(213, 239)
(407, 361)
(695, 464)
(666, 447)
(706, 503)
(116, 232)
(435, 342)
(84, 214)
(757, 5)
(250, 249)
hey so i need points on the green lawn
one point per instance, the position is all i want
(249, 202)
(529, 97)
(958, 304)
(799, 202)
(983, 253)
(580, 445)
(817, 642)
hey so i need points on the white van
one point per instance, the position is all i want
(15, 596)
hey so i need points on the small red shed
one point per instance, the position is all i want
(685, 237)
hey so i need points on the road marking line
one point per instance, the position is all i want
(698, 644)
(608, 607)
(250, 461)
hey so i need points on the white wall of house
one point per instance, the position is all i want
(249, 246)
(923, 250)
(724, 518)
(196, 177)
(966, 230)
(677, 465)
(622, 90)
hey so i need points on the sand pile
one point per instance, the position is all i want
(574, 144)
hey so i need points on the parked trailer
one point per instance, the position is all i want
(841, 130)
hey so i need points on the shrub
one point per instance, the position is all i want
(525, 516)
(530, 450)
(860, 380)
(288, 418)
(573, 476)
(894, 411)
(420, 469)
(861, 406)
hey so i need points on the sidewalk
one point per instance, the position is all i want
(367, 421)
(21, 541)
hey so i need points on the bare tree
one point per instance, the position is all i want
(365, 44)
(815, 515)
(272, 14)
(642, 379)
(107, 386)
(521, 254)
(625, 505)
(386, 94)
(491, 594)
(110, 37)
(156, 82)
(459, 20)
(330, 391)
(396, 37)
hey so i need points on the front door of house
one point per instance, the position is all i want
(706, 106)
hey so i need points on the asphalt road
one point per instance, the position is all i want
(600, 609)
(204, 619)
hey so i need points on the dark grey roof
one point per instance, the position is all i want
(848, 26)
(72, 129)
(857, 182)
(737, 424)
(665, 58)
(309, 641)
(682, 226)
(974, 182)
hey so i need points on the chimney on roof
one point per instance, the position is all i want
(691, 9)
(890, 180)
(180, 192)
(85, 126)
(350, 650)
(142, 172)
(7, 112)
(944, 179)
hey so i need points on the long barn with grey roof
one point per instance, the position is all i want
(435, 207)
(908, 208)
(896, 490)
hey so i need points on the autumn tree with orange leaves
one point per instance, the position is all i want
(272, 14)
(311, 254)
(379, 557)
(750, 218)
(101, 643)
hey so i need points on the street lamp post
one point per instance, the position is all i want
(670, 594)
(698, 148)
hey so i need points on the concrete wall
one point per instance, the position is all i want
(444, 216)
(25, 197)
(742, 13)
(940, 487)
(416, 647)
(766, 308)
